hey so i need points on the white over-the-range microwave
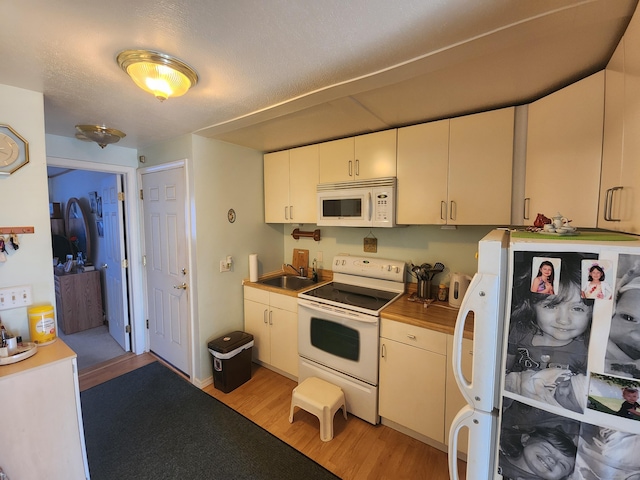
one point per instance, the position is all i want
(360, 203)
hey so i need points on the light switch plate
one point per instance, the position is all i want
(15, 297)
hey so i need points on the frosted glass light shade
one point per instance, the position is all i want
(157, 73)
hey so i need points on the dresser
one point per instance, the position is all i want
(78, 301)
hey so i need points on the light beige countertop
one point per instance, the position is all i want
(438, 316)
(53, 352)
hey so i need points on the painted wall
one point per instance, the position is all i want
(414, 244)
(220, 176)
(26, 203)
(74, 149)
(227, 176)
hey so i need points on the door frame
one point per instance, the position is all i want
(189, 226)
(139, 343)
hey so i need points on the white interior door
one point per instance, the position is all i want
(166, 265)
(114, 271)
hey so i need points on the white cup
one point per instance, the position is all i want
(12, 345)
(548, 227)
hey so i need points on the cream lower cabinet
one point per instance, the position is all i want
(457, 171)
(43, 434)
(272, 319)
(564, 153)
(413, 378)
(290, 180)
(455, 400)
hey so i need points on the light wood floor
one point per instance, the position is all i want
(358, 450)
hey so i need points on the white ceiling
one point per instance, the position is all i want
(281, 73)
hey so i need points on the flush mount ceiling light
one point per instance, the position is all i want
(102, 135)
(161, 75)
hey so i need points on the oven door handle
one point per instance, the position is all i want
(338, 312)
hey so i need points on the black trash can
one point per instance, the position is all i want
(231, 360)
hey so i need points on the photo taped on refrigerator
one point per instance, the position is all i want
(570, 400)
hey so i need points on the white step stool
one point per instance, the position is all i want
(322, 399)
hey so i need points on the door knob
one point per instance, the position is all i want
(104, 265)
(181, 287)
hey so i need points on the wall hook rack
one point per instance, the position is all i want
(297, 234)
(16, 230)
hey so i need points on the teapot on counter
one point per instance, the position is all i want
(457, 288)
(558, 221)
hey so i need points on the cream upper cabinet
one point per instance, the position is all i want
(620, 185)
(480, 168)
(564, 153)
(610, 179)
(290, 180)
(423, 165)
(456, 171)
(358, 158)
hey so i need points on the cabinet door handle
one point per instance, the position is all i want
(453, 207)
(291, 211)
(607, 198)
(613, 193)
(270, 317)
(443, 210)
(411, 336)
(264, 316)
(286, 213)
(383, 351)
(350, 168)
(357, 167)
(527, 205)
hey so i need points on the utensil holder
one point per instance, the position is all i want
(424, 289)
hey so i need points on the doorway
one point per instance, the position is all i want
(112, 224)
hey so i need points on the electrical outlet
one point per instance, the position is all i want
(224, 266)
(14, 297)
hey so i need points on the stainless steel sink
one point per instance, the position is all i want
(288, 282)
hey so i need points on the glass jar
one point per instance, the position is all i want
(443, 292)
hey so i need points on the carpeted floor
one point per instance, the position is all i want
(152, 424)
(92, 346)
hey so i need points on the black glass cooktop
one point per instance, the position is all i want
(362, 297)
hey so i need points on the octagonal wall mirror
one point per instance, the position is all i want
(77, 228)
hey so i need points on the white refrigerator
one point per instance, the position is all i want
(554, 390)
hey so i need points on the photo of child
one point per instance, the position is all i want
(623, 348)
(535, 444)
(615, 396)
(549, 331)
(605, 453)
(544, 279)
(553, 386)
(630, 408)
(593, 283)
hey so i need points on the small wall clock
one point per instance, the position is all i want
(14, 151)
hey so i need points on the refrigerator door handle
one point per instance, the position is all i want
(483, 299)
(483, 429)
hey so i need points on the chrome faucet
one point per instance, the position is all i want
(301, 272)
